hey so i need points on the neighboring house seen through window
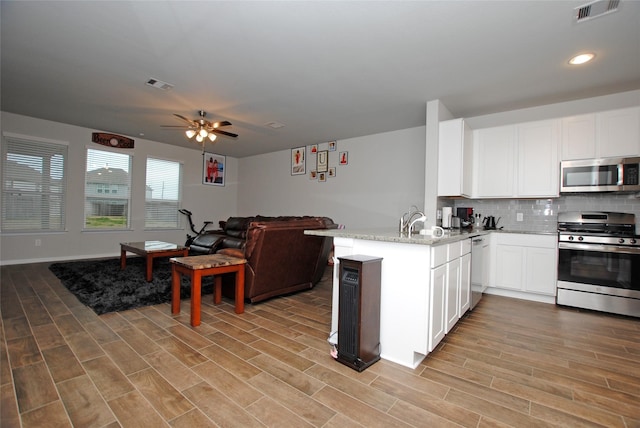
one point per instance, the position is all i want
(33, 185)
(163, 193)
(107, 190)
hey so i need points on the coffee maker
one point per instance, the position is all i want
(466, 217)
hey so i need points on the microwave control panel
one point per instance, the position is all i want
(631, 174)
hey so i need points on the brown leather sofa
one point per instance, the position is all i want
(281, 259)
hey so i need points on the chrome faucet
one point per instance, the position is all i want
(406, 226)
(422, 218)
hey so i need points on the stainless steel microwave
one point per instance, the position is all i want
(600, 175)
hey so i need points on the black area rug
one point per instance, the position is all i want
(102, 286)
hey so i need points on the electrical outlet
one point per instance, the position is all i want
(439, 215)
(519, 217)
(38, 242)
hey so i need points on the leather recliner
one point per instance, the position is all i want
(281, 259)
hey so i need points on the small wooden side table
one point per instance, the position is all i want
(150, 250)
(199, 266)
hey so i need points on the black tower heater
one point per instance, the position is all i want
(359, 311)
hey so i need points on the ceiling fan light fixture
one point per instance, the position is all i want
(202, 129)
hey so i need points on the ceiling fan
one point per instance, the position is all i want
(202, 128)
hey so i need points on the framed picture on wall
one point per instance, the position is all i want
(298, 164)
(322, 161)
(213, 168)
(344, 158)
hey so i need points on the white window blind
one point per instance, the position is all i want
(33, 185)
(107, 190)
(162, 195)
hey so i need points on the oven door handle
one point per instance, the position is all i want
(602, 248)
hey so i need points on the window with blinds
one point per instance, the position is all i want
(163, 192)
(107, 190)
(33, 185)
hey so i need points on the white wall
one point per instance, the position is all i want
(551, 111)
(384, 177)
(206, 202)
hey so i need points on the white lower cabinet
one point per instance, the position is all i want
(436, 306)
(509, 259)
(540, 271)
(453, 293)
(450, 288)
(525, 263)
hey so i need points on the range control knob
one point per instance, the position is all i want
(632, 241)
(570, 238)
(580, 238)
(620, 241)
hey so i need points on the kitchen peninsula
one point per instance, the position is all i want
(425, 286)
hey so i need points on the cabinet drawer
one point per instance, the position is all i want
(466, 246)
(438, 255)
(455, 250)
(527, 240)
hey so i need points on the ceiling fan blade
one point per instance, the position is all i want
(228, 134)
(189, 121)
(222, 123)
(176, 126)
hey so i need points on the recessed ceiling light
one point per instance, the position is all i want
(581, 59)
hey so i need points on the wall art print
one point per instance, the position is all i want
(344, 158)
(298, 162)
(213, 168)
(322, 164)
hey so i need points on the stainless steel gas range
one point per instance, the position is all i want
(599, 262)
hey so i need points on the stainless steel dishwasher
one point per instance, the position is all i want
(477, 274)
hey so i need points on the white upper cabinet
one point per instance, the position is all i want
(579, 137)
(538, 159)
(523, 160)
(517, 160)
(618, 132)
(455, 158)
(614, 133)
(494, 162)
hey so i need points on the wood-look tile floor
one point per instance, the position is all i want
(508, 363)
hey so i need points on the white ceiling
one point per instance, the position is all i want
(326, 70)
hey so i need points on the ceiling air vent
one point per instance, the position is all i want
(159, 84)
(596, 9)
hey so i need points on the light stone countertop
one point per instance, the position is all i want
(392, 235)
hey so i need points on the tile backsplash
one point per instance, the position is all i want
(541, 215)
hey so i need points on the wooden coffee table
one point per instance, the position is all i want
(150, 250)
(197, 267)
